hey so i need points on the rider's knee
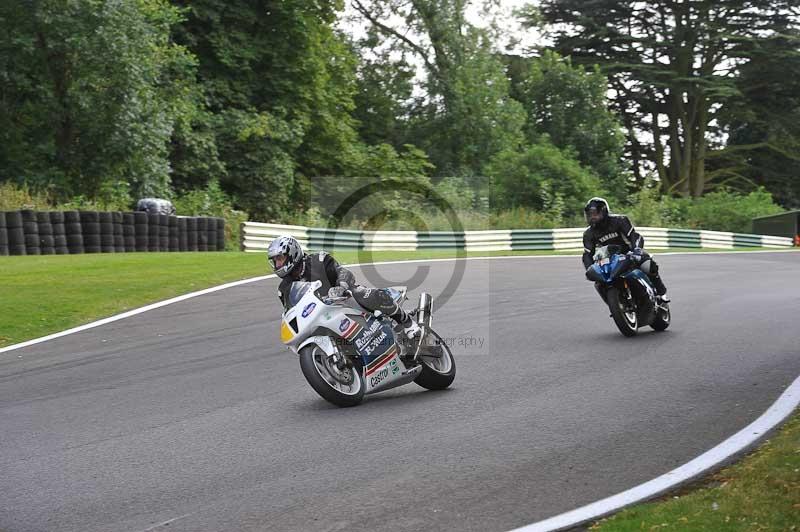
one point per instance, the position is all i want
(649, 266)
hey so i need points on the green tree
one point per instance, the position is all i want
(672, 66)
(763, 124)
(279, 83)
(467, 115)
(384, 98)
(570, 105)
(91, 94)
(369, 165)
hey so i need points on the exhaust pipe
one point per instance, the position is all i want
(425, 309)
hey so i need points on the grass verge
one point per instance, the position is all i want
(761, 492)
(41, 295)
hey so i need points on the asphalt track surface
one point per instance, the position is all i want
(193, 417)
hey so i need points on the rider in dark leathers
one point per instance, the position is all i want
(291, 264)
(615, 229)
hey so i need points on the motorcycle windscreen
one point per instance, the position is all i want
(297, 290)
(619, 264)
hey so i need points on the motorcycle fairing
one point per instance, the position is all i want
(371, 338)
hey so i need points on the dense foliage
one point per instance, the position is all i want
(684, 113)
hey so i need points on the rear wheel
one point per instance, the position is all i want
(624, 315)
(340, 386)
(662, 319)
(438, 364)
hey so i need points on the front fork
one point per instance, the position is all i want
(423, 314)
(624, 290)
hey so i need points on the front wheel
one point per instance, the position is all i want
(625, 318)
(438, 364)
(342, 387)
(662, 319)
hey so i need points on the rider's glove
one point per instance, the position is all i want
(637, 254)
(337, 291)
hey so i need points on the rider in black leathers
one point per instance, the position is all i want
(291, 263)
(615, 229)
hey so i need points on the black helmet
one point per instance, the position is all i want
(284, 254)
(596, 211)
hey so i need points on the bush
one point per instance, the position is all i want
(212, 201)
(15, 197)
(646, 207)
(521, 218)
(541, 178)
(723, 210)
(113, 197)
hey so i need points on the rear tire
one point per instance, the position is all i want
(437, 373)
(627, 323)
(325, 381)
(662, 319)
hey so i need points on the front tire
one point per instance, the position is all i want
(439, 367)
(627, 321)
(341, 387)
(662, 319)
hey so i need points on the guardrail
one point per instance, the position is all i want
(257, 236)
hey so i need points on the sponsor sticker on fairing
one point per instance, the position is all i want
(309, 309)
(344, 324)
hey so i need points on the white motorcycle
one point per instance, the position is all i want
(347, 352)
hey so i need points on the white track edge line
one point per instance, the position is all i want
(780, 410)
(133, 312)
(191, 295)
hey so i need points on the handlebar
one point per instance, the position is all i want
(330, 300)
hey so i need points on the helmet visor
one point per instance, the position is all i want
(278, 261)
(594, 215)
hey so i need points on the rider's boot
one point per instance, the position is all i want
(661, 290)
(409, 325)
(411, 328)
(406, 329)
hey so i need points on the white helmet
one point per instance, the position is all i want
(284, 253)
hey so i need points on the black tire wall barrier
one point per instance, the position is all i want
(3, 235)
(202, 233)
(153, 240)
(163, 232)
(183, 237)
(128, 232)
(30, 227)
(220, 234)
(140, 229)
(16, 234)
(191, 234)
(90, 228)
(174, 240)
(119, 238)
(46, 241)
(59, 232)
(29, 232)
(211, 224)
(74, 230)
(106, 232)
